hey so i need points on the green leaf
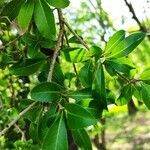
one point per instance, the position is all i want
(56, 137)
(98, 87)
(86, 74)
(27, 67)
(12, 9)
(25, 14)
(74, 39)
(29, 39)
(125, 95)
(96, 52)
(44, 20)
(46, 121)
(59, 3)
(47, 92)
(78, 117)
(75, 55)
(124, 68)
(81, 94)
(145, 76)
(114, 41)
(145, 95)
(127, 45)
(33, 50)
(82, 139)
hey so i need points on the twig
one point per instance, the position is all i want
(58, 45)
(122, 76)
(16, 119)
(13, 122)
(76, 35)
(1, 48)
(131, 9)
(23, 138)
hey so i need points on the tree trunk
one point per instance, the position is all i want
(132, 108)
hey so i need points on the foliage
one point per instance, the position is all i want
(37, 55)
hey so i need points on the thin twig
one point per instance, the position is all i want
(58, 46)
(3, 47)
(16, 119)
(76, 35)
(23, 138)
(123, 77)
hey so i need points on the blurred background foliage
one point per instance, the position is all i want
(123, 127)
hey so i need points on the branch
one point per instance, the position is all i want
(58, 45)
(16, 119)
(142, 28)
(23, 138)
(3, 47)
(49, 75)
(76, 35)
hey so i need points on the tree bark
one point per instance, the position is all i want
(132, 108)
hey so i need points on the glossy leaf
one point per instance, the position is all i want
(56, 137)
(145, 76)
(81, 94)
(33, 50)
(86, 74)
(44, 19)
(58, 3)
(98, 87)
(114, 41)
(47, 92)
(145, 95)
(25, 14)
(82, 139)
(127, 45)
(12, 9)
(78, 117)
(75, 55)
(125, 95)
(27, 67)
(46, 121)
(96, 52)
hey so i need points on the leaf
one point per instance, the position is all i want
(59, 3)
(127, 45)
(29, 39)
(12, 9)
(74, 39)
(82, 139)
(78, 117)
(86, 74)
(33, 50)
(27, 67)
(96, 52)
(81, 94)
(125, 95)
(145, 95)
(114, 41)
(46, 121)
(145, 76)
(45, 20)
(47, 92)
(25, 14)
(119, 67)
(98, 87)
(75, 55)
(56, 137)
